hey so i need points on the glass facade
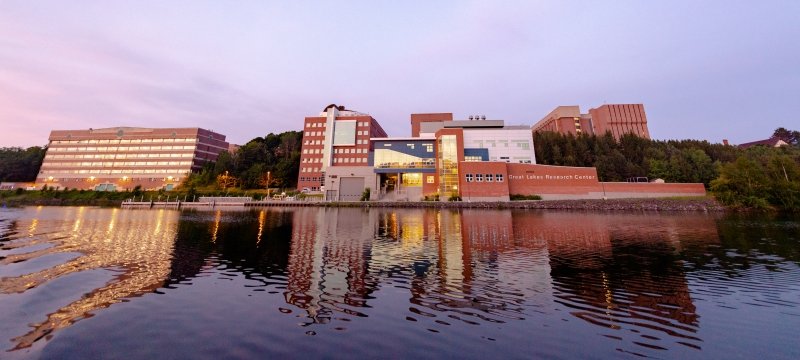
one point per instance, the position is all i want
(411, 179)
(390, 159)
(447, 156)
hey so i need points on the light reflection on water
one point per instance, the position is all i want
(396, 282)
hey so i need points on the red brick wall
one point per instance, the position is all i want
(417, 119)
(688, 189)
(529, 179)
(484, 188)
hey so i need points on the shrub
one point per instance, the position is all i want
(515, 197)
(454, 197)
(365, 194)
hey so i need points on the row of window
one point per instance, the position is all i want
(124, 141)
(349, 151)
(120, 148)
(488, 177)
(115, 171)
(312, 178)
(117, 163)
(524, 144)
(322, 133)
(118, 156)
(309, 169)
(322, 124)
(349, 160)
(132, 178)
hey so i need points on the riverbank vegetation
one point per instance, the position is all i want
(272, 161)
(756, 177)
(20, 165)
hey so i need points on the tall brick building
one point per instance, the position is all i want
(337, 137)
(618, 119)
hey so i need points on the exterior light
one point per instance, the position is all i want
(49, 178)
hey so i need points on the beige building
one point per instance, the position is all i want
(121, 158)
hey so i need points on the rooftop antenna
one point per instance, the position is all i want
(483, 117)
(471, 117)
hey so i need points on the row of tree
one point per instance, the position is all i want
(632, 156)
(20, 165)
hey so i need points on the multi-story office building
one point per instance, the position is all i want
(618, 119)
(121, 158)
(336, 138)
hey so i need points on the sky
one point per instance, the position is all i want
(708, 70)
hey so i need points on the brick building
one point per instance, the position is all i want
(618, 119)
(338, 137)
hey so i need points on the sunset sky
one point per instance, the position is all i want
(703, 69)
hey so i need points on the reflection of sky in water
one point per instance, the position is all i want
(136, 245)
(518, 283)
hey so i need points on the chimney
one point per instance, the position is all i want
(725, 142)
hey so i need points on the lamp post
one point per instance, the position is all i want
(269, 182)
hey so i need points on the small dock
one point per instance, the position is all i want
(214, 203)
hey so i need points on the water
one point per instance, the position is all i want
(85, 283)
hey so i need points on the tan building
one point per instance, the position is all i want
(121, 158)
(618, 119)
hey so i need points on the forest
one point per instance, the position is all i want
(272, 161)
(20, 165)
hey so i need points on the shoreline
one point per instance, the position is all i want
(705, 204)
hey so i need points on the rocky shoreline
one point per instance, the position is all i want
(688, 204)
(706, 204)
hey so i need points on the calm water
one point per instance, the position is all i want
(87, 283)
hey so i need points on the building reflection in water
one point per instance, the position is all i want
(136, 245)
(329, 261)
(617, 272)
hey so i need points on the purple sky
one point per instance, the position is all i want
(704, 69)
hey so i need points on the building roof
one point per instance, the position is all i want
(771, 142)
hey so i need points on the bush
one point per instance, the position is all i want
(454, 197)
(434, 197)
(515, 197)
(365, 194)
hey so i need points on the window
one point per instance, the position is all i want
(430, 179)
(499, 177)
(479, 177)
(489, 178)
(469, 177)
(429, 147)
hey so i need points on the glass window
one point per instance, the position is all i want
(478, 177)
(499, 177)
(344, 132)
(447, 157)
(469, 177)
(489, 178)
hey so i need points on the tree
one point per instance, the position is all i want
(789, 136)
(225, 180)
